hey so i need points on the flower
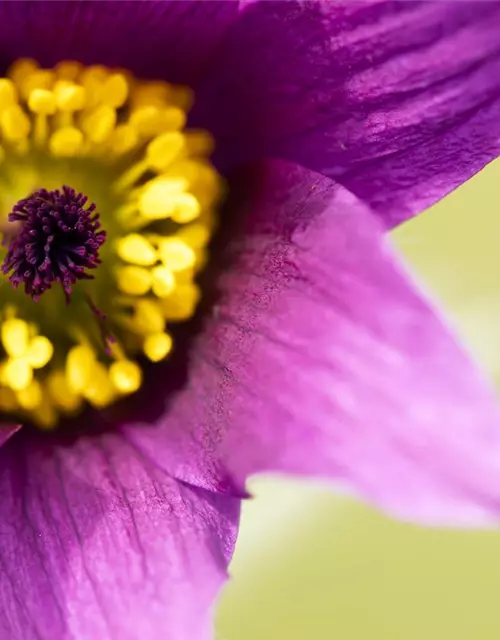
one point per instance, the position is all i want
(318, 355)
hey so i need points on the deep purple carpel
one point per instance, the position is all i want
(58, 241)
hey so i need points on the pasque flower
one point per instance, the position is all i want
(311, 350)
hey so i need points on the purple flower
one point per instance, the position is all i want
(319, 356)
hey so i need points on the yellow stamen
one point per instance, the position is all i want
(62, 394)
(39, 352)
(157, 346)
(21, 69)
(15, 337)
(114, 91)
(39, 79)
(8, 93)
(160, 197)
(68, 70)
(148, 317)
(92, 80)
(99, 123)
(67, 142)
(176, 254)
(126, 376)
(156, 94)
(186, 208)
(182, 303)
(122, 142)
(150, 121)
(14, 123)
(31, 396)
(164, 149)
(69, 96)
(99, 390)
(135, 249)
(123, 139)
(195, 235)
(42, 102)
(135, 281)
(17, 373)
(79, 368)
(162, 281)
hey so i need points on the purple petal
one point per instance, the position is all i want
(171, 39)
(97, 542)
(323, 359)
(398, 101)
(7, 431)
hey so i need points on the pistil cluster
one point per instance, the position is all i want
(58, 241)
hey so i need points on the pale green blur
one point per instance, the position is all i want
(313, 566)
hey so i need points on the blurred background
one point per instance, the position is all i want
(312, 565)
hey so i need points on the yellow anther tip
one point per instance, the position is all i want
(67, 141)
(176, 254)
(195, 235)
(159, 198)
(148, 317)
(163, 281)
(80, 364)
(126, 376)
(123, 139)
(186, 208)
(22, 68)
(17, 373)
(42, 102)
(95, 72)
(164, 149)
(135, 281)
(182, 303)
(146, 120)
(40, 352)
(15, 336)
(157, 346)
(30, 397)
(99, 123)
(8, 94)
(150, 120)
(136, 249)
(69, 97)
(61, 394)
(39, 79)
(151, 94)
(99, 390)
(68, 69)
(15, 123)
(114, 91)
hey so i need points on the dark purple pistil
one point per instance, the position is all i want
(57, 240)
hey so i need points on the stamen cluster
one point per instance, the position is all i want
(121, 140)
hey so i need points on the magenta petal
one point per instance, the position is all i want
(398, 101)
(323, 359)
(98, 543)
(167, 39)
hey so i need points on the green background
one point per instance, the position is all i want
(312, 565)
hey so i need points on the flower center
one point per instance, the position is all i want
(82, 306)
(58, 240)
